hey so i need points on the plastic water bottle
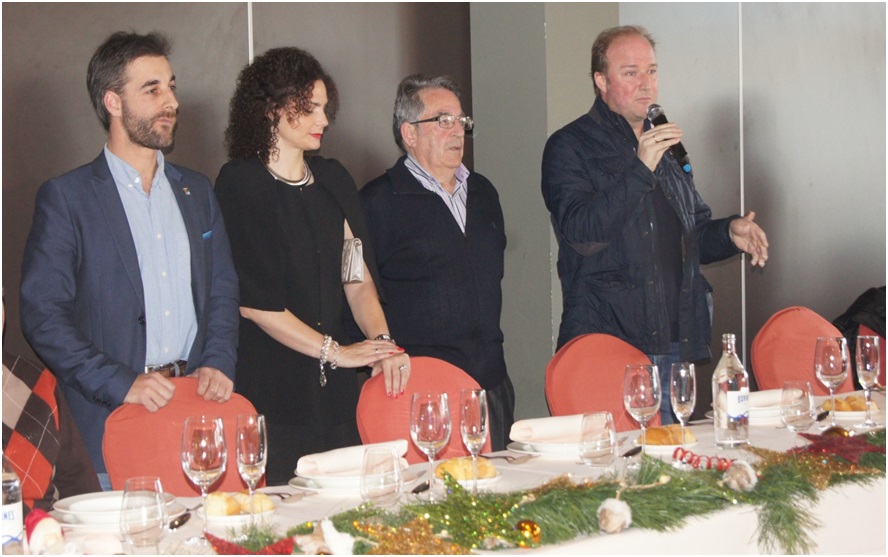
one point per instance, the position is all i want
(12, 510)
(730, 398)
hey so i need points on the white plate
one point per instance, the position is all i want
(567, 454)
(663, 450)
(109, 521)
(482, 482)
(338, 483)
(97, 508)
(233, 519)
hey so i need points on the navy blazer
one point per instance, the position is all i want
(82, 300)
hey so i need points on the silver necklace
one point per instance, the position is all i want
(306, 177)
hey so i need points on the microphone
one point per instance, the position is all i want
(657, 116)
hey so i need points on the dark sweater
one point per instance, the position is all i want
(442, 288)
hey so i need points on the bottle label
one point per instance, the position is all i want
(12, 522)
(738, 404)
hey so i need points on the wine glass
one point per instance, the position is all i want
(381, 479)
(598, 439)
(831, 365)
(868, 367)
(143, 515)
(252, 452)
(430, 427)
(204, 456)
(641, 395)
(473, 426)
(682, 393)
(797, 405)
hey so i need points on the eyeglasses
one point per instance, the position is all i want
(446, 121)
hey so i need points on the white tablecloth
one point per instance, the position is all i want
(852, 517)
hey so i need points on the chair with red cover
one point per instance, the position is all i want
(783, 349)
(142, 443)
(586, 375)
(381, 418)
(863, 330)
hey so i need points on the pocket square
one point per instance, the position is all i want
(208, 234)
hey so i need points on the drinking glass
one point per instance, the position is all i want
(831, 365)
(143, 514)
(473, 426)
(252, 452)
(797, 405)
(682, 393)
(868, 368)
(598, 439)
(641, 395)
(430, 427)
(381, 479)
(204, 456)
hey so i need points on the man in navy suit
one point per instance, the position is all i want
(127, 277)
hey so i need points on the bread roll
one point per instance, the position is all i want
(667, 435)
(850, 403)
(261, 502)
(220, 503)
(461, 468)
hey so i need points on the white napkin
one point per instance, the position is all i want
(346, 461)
(765, 399)
(556, 429)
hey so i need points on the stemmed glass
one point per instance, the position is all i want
(430, 427)
(831, 365)
(252, 452)
(868, 367)
(682, 393)
(473, 426)
(143, 514)
(641, 395)
(204, 456)
(381, 479)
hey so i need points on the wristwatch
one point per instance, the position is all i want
(386, 338)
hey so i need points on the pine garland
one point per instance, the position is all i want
(661, 498)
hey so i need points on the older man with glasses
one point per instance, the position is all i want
(438, 233)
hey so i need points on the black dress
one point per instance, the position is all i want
(286, 242)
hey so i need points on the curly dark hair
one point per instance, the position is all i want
(282, 78)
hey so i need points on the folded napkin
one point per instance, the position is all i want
(765, 399)
(557, 429)
(346, 461)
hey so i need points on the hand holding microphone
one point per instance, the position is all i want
(654, 142)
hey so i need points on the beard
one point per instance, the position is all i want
(141, 130)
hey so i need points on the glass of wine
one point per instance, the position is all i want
(682, 393)
(831, 365)
(204, 456)
(430, 427)
(797, 405)
(642, 395)
(252, 452)
(143, 515)
(473, 426)
(868, 368)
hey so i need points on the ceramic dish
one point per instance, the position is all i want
(663, 450)
(338, 483)
(97, 508)
(569, 450)
(110, 521)
(482, 482)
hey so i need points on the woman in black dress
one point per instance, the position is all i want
(287, 216)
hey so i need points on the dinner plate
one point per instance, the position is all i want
(97, 508)
(663, 450)
(338, 483)
(569, 450)
(110, 521)
(482, 482)
(232, 519)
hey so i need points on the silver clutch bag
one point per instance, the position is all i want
(352, 261)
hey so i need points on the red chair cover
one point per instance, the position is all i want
(586, 375)
(142, 443)
(863, 330)
(783, 349)
(381, 418)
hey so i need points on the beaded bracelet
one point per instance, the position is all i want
(334, 361)
(325, 348)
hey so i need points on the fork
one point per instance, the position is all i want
(514, 459)
(290, 497)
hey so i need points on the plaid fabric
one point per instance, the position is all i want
(31, 438)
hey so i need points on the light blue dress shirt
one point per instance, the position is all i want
(164, 260)
(456, 201)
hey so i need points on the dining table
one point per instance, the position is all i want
(850, 518)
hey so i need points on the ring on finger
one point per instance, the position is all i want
(402, 368)
(376, 351)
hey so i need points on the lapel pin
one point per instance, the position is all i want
(186, 191)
